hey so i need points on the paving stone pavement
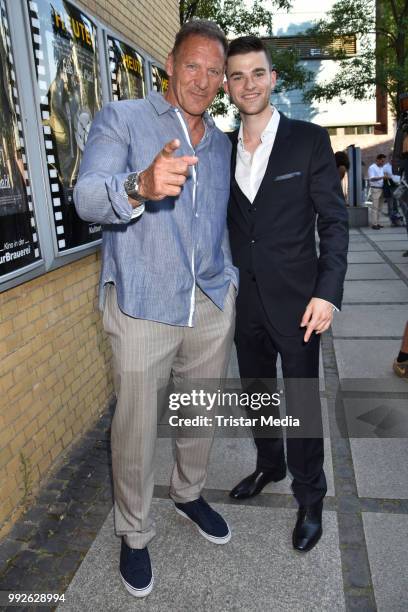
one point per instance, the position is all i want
(65, 542)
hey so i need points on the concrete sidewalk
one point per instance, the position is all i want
(360, 563)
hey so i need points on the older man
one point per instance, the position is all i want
(155, 173)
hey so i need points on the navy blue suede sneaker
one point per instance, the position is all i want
(136, 570)
(209, 523)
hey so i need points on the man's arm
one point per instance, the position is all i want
(100, 194)
(332, 227)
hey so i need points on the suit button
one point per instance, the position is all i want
(253, 241)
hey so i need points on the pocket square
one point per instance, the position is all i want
(284, 177)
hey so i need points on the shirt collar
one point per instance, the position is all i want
(160, 104)
(270, 128)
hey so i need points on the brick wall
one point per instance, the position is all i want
(151, 24)
(55, 374)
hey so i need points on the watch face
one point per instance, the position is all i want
(131, 183)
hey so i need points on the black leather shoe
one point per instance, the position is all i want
(253, 484)
(308, 528)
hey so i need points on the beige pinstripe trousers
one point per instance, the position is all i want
(146, 353)
(377, 197)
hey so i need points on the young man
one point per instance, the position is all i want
(283, 175)
(167, 277)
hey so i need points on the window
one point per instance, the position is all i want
(332, 131)
(365, 129)
(359, 129)
(309, 48)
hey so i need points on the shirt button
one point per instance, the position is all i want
(196, 215)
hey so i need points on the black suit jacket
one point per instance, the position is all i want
(273, 239)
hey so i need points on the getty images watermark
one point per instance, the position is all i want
(358, 408)
(199, 400)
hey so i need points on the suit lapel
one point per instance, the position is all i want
(277, 164)
(278, 159)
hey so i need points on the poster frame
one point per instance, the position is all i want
(36, 267)
(58, 254)
(153, 62)
(52, 258)
(145, 57)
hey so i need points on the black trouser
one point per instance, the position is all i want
(258, 345)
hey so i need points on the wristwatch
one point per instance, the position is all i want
(131, 186)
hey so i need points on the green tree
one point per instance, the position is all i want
(233, 16)
(238, 19)
(382, 60)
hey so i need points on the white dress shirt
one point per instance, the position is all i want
(250, 169)
(377, 173)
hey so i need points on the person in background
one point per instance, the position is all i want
(403, 204)
(342, 163)
(376, 182)
(400, 365)
(391, 181)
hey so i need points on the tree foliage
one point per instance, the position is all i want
(382, 59)
(233, 16)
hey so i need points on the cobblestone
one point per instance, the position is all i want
(44, 549)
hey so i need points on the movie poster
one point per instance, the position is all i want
(160, 80)
(66, 57)
(126, 71)
(18, 235)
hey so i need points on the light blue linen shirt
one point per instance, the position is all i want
(156, 259)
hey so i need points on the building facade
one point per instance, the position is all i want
(367, 124)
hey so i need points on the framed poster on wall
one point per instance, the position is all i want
(64, 42)
(126, 69)
(160, 80)
(19, 246)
